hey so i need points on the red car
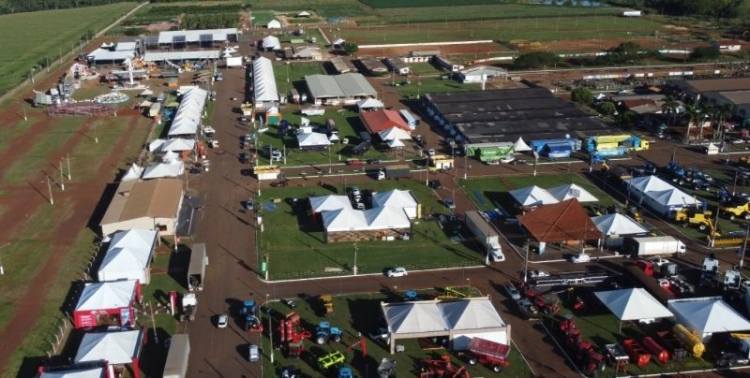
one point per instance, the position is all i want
(354, 162)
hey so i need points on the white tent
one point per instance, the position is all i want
(265, 82)
(133, 173)
(395, 143)
(93, 372)
(659, 195)
(470, 315)
(146, 93)
(117, 348)
(646, 184)
(304, 14)
(394, 133)
(271, 43)
(312, 140)
(173, 169)
(189, 113)
(707, 315)
(394, 198)
(106, 295)
(618, 224)
(521, 146)
(379, 218)
(170, 156)
(416, 317)
(128, 256)
(344, 219)
(712, 149)
(178, 144)
(328, 203)
(633, 304)
(568, 191)
(674, 197)
(156, 145)
(274, 24)
(370, 104)
(533, 196)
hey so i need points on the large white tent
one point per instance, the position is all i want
(707, 315)
(395, 143)
(329, 203)
(106, 295)
(370, 104)
(633, 304)
(533, 196)
(394, 133)
(402, 199)
(178, 144)
(84, 372)
(271, 43)
(264, 82)
(521, 146)
(568, 191)
(117, 348)
(344, 219)
(386, 217)
(129, 256)
(660, 196)
(188, 115)
(459, 320)
(133, 173)
(312, 140)
(616, 226)
(173, 169)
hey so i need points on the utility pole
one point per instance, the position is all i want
(270, 331)
(2, 270)
(25, 118)
(62, 178)
(356, 249)
(466, 161)
(68, 159)
(153, 323)
(49, 189)
(744, 245)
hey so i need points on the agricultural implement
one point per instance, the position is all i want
(331, 360)
(637, 353)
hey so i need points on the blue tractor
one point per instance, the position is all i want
(248, 307)
(324, 333)
(346, 372)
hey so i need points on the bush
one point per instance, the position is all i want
(702, 53)
(607, 108)
(538, 59)
(582, 96)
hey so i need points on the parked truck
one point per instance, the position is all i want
(654, 246)
(397, 172)
(197, 267)
(177, 357)
(485, 234)
(189, 307)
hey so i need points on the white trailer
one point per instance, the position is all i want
(485, 234)
(177, 357)
(197, 267)
(654, 246)
(631, 13)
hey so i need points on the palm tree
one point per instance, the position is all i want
(669, 107)
(693, 115)
(723, 112)
(708, 112)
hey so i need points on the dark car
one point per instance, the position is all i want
(290, 303)
(244, 157)
(280, 183)
(374, 161)
(434, 184)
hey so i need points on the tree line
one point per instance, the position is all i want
(712, 8)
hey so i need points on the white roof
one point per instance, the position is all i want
(194, 36)
(434, 316)
(273, 24)
(173, 169)
(106, 295)
(370, 103)
(338, 41)
(146, 92)
(648, 184)
(303, 14)
(533, 196)
(117, 348)
(633, 304)
(178, 144)
(394, 133)
(521, 146)
(394, 198)
(160, 56)
(265, 82)
(568, 191)
(328, 203)
(125, 46)
(346, 85)
(617, 224)
(101, 54)
(344, 219)
(395, 143)
(386, 217)
(708, 315)
(673, 197)
(94, 372)
(133, 173)
(188, 115)
(313, 139)
(271, 42)
(128, 255)
(661, 191)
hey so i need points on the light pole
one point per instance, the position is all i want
(62, 178)
(466, 162)
(270, 331)
(354, 268)
(49, 190)
(2, 270)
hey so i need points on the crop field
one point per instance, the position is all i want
(530, 29)
(160, 13)
(48, 34)
(324, 8)
(428, 3)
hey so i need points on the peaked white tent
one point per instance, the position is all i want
(178, 144)
(659, 195)
(386, 217)
(129, 256)
(266, 93)
(419, 317)
(170, 156)
(401, 199)
(328, 203)
(93, 372)
(707, 316)
(133, 173)
(173, 169)
(533, 196)
(615, 226)
(344, 219)
(370, 104)
(646, 184)
(395, 143)
(271, 43)
(106, 295)
(568, 191)
(394, 133)
(633, 304)
(521, 146)
(189, 113)
(117, 348)
(312, 140)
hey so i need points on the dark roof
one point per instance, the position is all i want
(535, 129)
(496, 95)
(560, 222)
(724, 84)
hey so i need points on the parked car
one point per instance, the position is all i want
(290, 303)
(527, 309)
(244, 157)
(512, 292)
(222, 321)
(582, 258)
(398, 271)
(508, 159)
(538, 273)
(281, 183)
(374, 161)
(434, 184)
(253, 354)
(249, 204)
(449, 203)
(658, 261)
(493, 162)
(354, 162)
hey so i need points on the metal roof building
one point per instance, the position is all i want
(349, 87)
(187, 118)
(339, 64)
(264, 83)
(160, 56)
(198, 36)
(373, 65)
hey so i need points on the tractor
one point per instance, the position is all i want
(346, 372)
(326, 301)
(442, 367)
(324, 333)
(701, 218)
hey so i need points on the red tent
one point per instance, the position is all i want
(107, 304)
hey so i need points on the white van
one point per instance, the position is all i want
(496, 251)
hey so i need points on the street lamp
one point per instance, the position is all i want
(356, 249)
(270, 331)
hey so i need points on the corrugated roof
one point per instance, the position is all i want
(738, 97)
(137, 199)
(724, 84)
(264, 81)
(193, 36)
(355, 85)
(160, 56)
(323, 86)
(560, 222)
(340, 65)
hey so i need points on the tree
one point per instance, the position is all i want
(703, 53)
(626, 119)
(607, 108)
(582, 96)
(723, 112)
(669, 107)
(693, 116)
(538, 59)
(351, 48)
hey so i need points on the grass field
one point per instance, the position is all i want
(297, 249)
(361, 313)
(292, 75)
(262, 17)
(324, 8)
(377, 4)
(529, 29)
(54, 32)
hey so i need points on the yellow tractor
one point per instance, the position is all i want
(693, 217)
(326, 300)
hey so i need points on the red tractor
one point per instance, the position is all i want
(292, 333)
(589, 358)
(546, 305)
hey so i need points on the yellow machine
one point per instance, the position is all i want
(702, 219)
(327, 301)
(737, 208)
(690, 340)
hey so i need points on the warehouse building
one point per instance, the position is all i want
(349, 88)
(148, 205)
(114, 53)
(340, 65)
(203, 38)
(738, 100)
(481, 73)
(264, 84)
(553, 127)
(397, 65)
(373, 65)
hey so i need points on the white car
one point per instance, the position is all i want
(398, 271)
(508, 159)
(253, 354)
(582, 258)
(431, 152)
(538, 273)
(222, 321)
(658, 261)
(512, 291)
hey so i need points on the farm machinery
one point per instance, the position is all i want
(585, 354)
(331, 360)
(637, 353)
(326, 300)
(291, 332)
(489, 353)
(324, 333)
(703, 219)
(252, 321)
(442, 368)
(387, 368)
(543, 303)
(737, 207)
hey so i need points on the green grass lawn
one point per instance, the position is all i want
(434, 85)
(55, 32)
(296, 246)
(492, 192)
(262, 17)
(324, 8)
(292, 75)
(425, 69)
(361, 313)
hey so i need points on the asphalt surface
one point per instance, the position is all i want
(232, 275)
